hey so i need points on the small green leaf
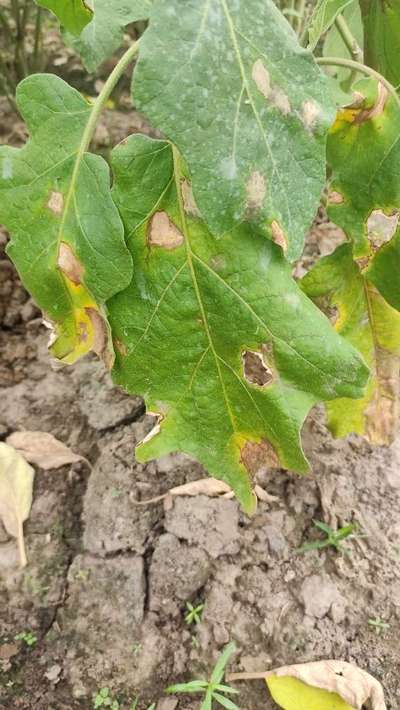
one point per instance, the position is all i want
(67, 238)
(225, 702)
(219, 668)
(369, 323)
(105, 33)
(250, 122)
(382, 37)
(215, 334)
(292, 694)
(74, 15)
(323, 17)
(194, 686)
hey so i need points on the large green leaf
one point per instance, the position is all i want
(74, 15)
(67, 237)
(369, 323)
(381, 19)
(247, 107)
(364, 154)
(104, 34)
(214, 333)
(323, 17)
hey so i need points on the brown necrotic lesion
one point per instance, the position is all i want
(256, 369)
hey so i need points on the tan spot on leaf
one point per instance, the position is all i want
(381, 227)
(163, 232)
(309, 113)
(335, 198)
(275, 95)
(382, 413)
(280, 100)
(278, 235)
(256, 190)
(375, 110)
(188, 199)
(100, 337)
(56, 202)
(121, 347)
(260, 76)
(69, 264)
(257, 455)
(255, 369)
(363, 262)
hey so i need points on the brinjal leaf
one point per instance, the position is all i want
(227, 351)
(363, 317)
(74, 15)
(105, 33)
(381, 20)
(364, 155)
(247, 107)
(67, 239)
(323, 17)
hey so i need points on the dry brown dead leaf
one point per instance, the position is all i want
(43, 449)
(211, 487)
(16, 485)
(357, 687)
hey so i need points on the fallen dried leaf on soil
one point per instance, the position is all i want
(211, 487)
(321, 685)
(43, 449)
(16, 484)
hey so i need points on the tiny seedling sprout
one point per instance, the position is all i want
(193, 613)
(213, 689)
(27, 637)
(379, 625)
(332, 539)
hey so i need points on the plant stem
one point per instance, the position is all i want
(349, 39)
(38, 39)
(104, 95)
(90, 128)
(362, 69)
(299, 20)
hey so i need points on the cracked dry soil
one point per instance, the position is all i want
(107, 581)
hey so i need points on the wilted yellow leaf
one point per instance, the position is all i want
(293, 694)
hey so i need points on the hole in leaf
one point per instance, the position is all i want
(255, 369)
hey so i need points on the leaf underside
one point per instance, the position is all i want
(361, 278)
(67, 238)
(364, 156)
(214, 333)
(74, 15)
(252, 125)
(369, 323)
(105, 33)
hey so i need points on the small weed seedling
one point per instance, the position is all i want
(27, 637)
(103, 699)
(134, 705)
(333, 539)
(193, 613)
(136, 649)
(212, 689)
(379, 625)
